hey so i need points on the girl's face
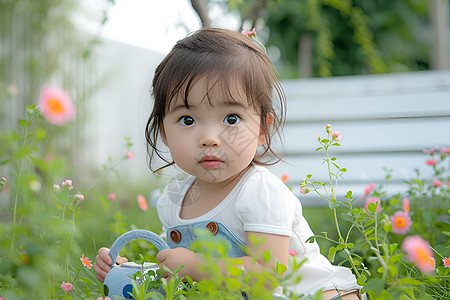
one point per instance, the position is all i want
(217, 137)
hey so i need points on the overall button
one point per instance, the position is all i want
(175, 236)
(212, 226)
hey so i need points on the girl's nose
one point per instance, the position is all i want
(210, 137)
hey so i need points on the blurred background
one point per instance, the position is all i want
(378, 71)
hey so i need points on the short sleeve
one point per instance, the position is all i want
(266, 205)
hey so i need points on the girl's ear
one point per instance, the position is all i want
(162, 132)
(263, 129)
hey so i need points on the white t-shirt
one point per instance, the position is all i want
(261, 202)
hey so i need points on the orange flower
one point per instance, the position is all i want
(56, 106)
(419, 252)
(446, 261)
(401, 222)
(142, 202)
(285, 177)
(86, 262)
(406, 205)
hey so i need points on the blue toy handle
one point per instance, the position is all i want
(122, 240)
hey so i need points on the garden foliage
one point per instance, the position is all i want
(51, 228)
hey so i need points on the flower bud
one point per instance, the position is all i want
(328, 128)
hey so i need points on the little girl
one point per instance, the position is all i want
(216, 113)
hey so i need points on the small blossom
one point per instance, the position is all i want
(292, 252)
(447, 183)
(406, 205)
(436, 183)
(106, 298)
(446, 261)
(369, 188)
(401, 222)
(142, 202)
(285, 177)
(430, 162)
(56, 106)
(249, 33)
(111, 196)
(67, 287)
(3, 181)
(419, 252)
(12, 90)
(129, 155)
(56, 187)
(86, 262)
(303, 183)
(430, 151)
(328, 128)
(336, 135)
(67, 183)
(445, 150)
(79, 197)
(373, 200)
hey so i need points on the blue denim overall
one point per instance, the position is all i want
(184, 235)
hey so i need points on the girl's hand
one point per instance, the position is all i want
(102, 262)
(173, 258)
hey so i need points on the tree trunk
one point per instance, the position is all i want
(440, 48)
(201, 8)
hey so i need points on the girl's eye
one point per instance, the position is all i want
(186, 121)
(232, 119)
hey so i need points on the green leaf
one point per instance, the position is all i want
(319, 149)
(311, 239)
(232, 284)
(331, 254)
(375, 284)
(349, 194)
(409, 281)
(23, 123)
(280, 268)
(86, 280)
(343, 170)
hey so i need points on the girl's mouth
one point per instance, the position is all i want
(210, 162)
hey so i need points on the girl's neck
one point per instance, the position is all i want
(196, 204)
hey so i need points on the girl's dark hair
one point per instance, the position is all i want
(221, 57)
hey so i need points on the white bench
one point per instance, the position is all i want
(385, 121)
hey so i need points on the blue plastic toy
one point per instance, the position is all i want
(118, 280)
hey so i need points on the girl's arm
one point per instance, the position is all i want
(278, 245)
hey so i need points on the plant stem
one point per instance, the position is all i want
(16, 198)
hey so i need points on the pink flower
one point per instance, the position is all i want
(79, 197)
(447, 183)
(250, 33)
(419, 252)
(3, 181)
(446, 261)
(303, 191)
(86, 262)
(292, 252)
(129, 155)
(369, 188)
(336, 135)
(12, 91)
(67, 287)
(285, 177)
(106, 298)
(430, 162)
(56, 106)
(445, 150)
(142, 202)
(431, 151)
(56, 187)
(436, 183)
(406, 205)
(111, 196)
(373, 200)
(401, 222)
(67, 183)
